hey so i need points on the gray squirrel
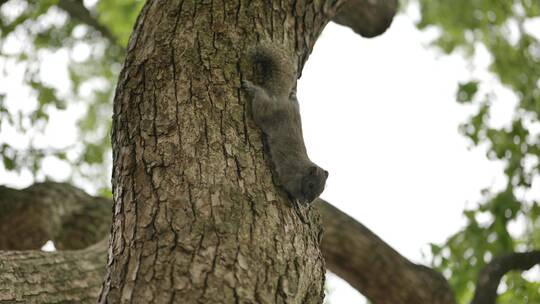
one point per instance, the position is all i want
(276, 112)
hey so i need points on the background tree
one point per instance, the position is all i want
(506, 30)
(102, 28)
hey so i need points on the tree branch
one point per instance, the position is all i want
(51, 211)
(492, 273)
(368, 18)
(52, 277)
(77, 10)
(358, 256)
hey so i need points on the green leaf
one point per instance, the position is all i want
(93, 154)
(9, 163)
(467, 91)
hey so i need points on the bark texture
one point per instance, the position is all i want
(52, 277)
(197, 218)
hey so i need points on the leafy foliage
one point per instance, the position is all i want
(33, 33)
(503, 28)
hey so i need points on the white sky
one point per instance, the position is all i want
(380, 115)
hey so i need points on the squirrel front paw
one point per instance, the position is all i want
(248, 86)
(251, 89)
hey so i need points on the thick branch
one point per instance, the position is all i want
(491, 275)
(52, 277)
(51, 211)
(372, 267)
(368, 18)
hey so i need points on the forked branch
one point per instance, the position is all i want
(491, 275)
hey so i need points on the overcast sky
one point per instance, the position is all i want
(380, 115)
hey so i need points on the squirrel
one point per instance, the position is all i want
(276, 112)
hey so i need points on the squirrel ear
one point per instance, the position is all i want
(325, 174)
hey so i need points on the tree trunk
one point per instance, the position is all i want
(197, 218)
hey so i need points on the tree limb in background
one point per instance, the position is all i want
(51, 211)
(77, 10)
(492, 273)
(52, 277)
(372, 267)
(367, 17)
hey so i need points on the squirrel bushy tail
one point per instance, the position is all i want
(274, 68)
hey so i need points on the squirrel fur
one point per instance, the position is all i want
(276, 112)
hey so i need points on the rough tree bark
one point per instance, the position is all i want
(197, 218)
(52, 277)
(196, 215)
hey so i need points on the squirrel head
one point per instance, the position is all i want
(313, 183)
